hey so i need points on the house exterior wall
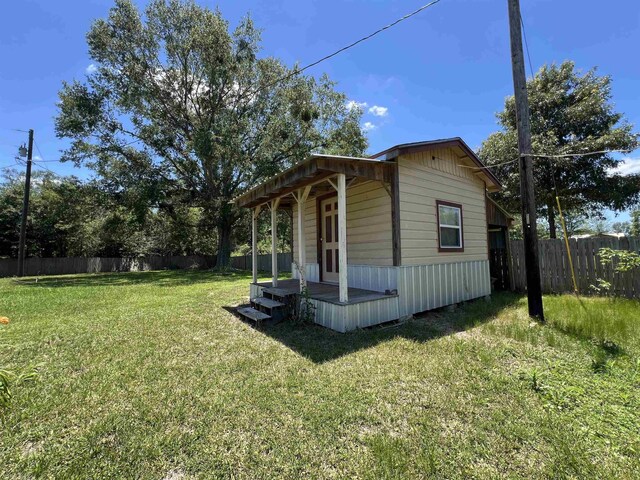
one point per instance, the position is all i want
(368, 226)
(422, 181)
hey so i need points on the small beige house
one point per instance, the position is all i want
(379, 238)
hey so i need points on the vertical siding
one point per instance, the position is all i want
(420, 288)
(312, 272)
(424, 180)
(372, 277)
(368, 226)
(345, 318)
(425, 287)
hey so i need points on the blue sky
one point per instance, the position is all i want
(440, 74)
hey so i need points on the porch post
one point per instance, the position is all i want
(274, 242)
(301, 198)
(254, 243)
(342, 237)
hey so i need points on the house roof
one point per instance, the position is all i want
(313, 170)
(493, 184)
(496, 215)
(381, 166)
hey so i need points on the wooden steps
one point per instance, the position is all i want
(267, 303)
(279, 293)
(251, 313)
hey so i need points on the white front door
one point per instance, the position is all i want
(330, 252)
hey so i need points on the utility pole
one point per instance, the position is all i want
(527, 194)
(25, 207)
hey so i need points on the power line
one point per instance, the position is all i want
(351, 45)
(578, 154)
(526, 45)
(549, 157)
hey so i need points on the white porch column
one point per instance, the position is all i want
(274, 241)
(301, 198)
(342, 237)
(254, 243)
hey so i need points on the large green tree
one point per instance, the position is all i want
(180, 110)
(571, 112)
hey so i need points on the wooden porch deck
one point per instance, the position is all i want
(327, 292)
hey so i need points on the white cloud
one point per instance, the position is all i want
(379, 111)
(351, 104)
(37, 158)
(368, 126)
(91, 69)
(628, 167)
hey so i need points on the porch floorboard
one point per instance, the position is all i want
(327, 292)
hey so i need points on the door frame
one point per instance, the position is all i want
(319, 200)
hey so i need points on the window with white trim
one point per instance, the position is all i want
(449, 226)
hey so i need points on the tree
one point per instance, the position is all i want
(188, 110)
(621, 227)
(571, 113)
(634, 229)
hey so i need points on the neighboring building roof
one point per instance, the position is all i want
(454, 142)
(599, 235)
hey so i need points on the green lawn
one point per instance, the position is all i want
(148, 375)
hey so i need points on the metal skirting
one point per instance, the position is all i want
(312, 272)
(420, 288)
(344, 318)
(372, 277)
(425, 287)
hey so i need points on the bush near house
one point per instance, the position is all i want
(149, 375)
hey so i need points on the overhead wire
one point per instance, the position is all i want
(526, 45)
(351, 45)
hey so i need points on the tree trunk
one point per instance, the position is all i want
(224, 247)
(225, 223)
(551, 214)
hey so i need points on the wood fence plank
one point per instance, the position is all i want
(555, 272)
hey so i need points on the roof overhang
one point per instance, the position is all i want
(459, 147)
(311, 171)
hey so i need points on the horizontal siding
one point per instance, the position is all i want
(369, 236)
(422, 181)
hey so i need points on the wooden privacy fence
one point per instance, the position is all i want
(264, 262)
(555, 272)
(69, 265)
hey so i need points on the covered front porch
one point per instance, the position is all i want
(316, 191)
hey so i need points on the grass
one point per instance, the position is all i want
(148, 375)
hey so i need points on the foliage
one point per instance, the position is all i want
(68, 217)
(634, 228)
(621, 260)
(571, 112)
(304, 311)
(147, 373)
(183, 111)
(621, 227)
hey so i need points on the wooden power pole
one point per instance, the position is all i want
(25, 208)
(527, 194)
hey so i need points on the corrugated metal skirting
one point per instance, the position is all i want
(420, 288)
(312, 271)
(371, 277)
(344, 318)
(425, 287)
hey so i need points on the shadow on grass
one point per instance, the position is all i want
(164, 278)
(321, 344)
